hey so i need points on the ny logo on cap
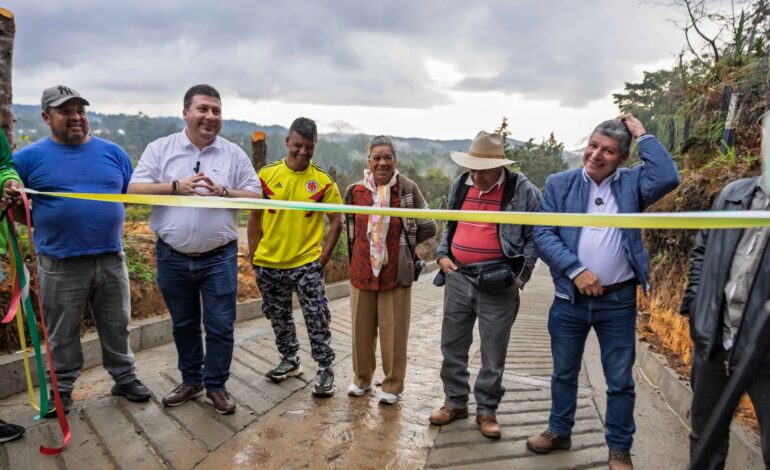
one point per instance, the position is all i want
(63, 90)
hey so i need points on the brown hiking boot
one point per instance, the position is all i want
(488, 425)
(620, 460)
(547, 441)
(222, 401)
(446, 414)
(181, 394)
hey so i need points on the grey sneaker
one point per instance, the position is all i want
(66, 403)
(284, 370)
(134, 391)
(324, 383)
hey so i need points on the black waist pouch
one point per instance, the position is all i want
(489, 277)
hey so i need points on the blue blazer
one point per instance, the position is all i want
(634, 190)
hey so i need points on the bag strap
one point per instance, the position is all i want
(510, 187)
(406, 237)
(403, 225)
(350, 219)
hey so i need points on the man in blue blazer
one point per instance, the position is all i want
(595, 273)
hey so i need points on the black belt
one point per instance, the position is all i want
(216, 250)
(620, 285)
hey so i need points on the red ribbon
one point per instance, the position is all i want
(13, 306)
(63, 424)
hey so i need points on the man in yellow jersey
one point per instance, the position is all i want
(285, 247)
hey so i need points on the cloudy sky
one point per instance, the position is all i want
(439, 69)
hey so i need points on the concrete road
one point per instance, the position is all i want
(283, 426)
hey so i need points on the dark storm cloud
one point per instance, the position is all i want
(369, 53)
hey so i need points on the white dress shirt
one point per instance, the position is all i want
(188, 229)
(600, 249)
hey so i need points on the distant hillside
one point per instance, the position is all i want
(28, 117)
(345, 152)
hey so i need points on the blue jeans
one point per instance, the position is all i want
(613, 317)
(187, 284)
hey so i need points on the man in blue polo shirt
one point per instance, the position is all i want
(79, 243)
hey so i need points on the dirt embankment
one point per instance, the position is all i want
(146, 299)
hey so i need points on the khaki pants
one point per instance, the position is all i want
(390, 312)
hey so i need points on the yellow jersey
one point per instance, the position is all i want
(292, 238)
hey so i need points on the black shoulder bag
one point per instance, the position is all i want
(419, 264)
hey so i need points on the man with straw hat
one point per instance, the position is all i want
(483, 266)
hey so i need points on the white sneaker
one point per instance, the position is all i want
(354, 391)
(387, 398)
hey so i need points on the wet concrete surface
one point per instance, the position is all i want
(284, 426)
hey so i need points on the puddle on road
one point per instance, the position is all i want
(341, 431)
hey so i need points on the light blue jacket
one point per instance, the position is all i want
(634, 190)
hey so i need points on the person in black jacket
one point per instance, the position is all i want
(728, 285)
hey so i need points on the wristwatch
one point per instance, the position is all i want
(225, 192)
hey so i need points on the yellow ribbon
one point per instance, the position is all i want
(22, 337)
(658, 220)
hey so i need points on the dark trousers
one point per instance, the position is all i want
(71, 286)
(496, 312)
(708, 381)
(193, 286)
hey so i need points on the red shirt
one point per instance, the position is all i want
(361, 275)
(474, 242)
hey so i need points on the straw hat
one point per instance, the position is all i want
(487, 151)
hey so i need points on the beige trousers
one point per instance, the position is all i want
(390, 312)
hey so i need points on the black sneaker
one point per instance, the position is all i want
(324, 382)
(285, 369)
(133, 391)
(66, 403)
(9, 432)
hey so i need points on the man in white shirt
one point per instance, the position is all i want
(595, 272)
(197, 248)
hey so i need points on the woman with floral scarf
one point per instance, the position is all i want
(382, 259)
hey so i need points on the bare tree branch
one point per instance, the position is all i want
(711, 41)
(692, 50)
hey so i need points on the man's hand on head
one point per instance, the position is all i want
(635, 126)
(588, 284)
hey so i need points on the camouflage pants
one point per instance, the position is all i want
(276, 286)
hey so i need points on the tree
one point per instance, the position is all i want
(536, 161)
(7, 32)
(434, 184)
(503, 131)
(725, 35)
(539, 161)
